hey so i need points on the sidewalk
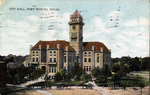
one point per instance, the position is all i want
(100, 89)
(41, 79)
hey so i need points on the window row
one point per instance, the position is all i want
(87, 59)
(35, 53)
(87, 53)
(52, 53)
(35, 59)
(52, 59)
(51, 76)
(52, 69)
(87, 68)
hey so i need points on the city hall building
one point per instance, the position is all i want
(61, 54)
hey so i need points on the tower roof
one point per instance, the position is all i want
(76, 13)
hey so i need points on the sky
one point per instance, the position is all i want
(122, 25)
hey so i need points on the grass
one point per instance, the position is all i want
(131, 81)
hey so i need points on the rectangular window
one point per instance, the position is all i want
(97, 58)
(37, 59)
(73, 40)
(33, 59)
(64, 58)
(64, 67)
(89, 68)
(54, 59)
(84, 68)
(55, 70)
(89, 59)
(85, 59)
(52, 69)
(49, 69)
(50, 59)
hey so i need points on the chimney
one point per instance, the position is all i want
(101, 49)
(58, 46)
(66, 48)
(47, 47)
(39, 46)
(93, 47)
(31, 47)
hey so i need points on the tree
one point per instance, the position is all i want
(145, 63)
(95, 72)
(115, 78)
(125, 69)
(134, 64)
(121, 68)
(58, 77)
(63, 73)
(106, 70)
(68, 76)
(85, 77)
(116, 67)
(76, 70)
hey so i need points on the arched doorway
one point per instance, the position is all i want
(44, 68)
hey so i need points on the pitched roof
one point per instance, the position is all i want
(76, 13)
(98, 45)
(53, 44)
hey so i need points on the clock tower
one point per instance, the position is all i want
(76, 34)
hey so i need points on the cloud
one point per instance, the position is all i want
(137, 22)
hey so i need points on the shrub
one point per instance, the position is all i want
(101, 79)
(58, 77)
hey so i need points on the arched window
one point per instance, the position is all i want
(85, 53)
(89, 53)
(37, 53)
(33, 53)
(54, 53)
(50, 53)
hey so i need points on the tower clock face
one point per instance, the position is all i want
(73, 27)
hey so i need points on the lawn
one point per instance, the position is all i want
(128, 81)
(134, 81)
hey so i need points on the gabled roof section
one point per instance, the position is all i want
(76, 13)
(53, 44)
(98, 45)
